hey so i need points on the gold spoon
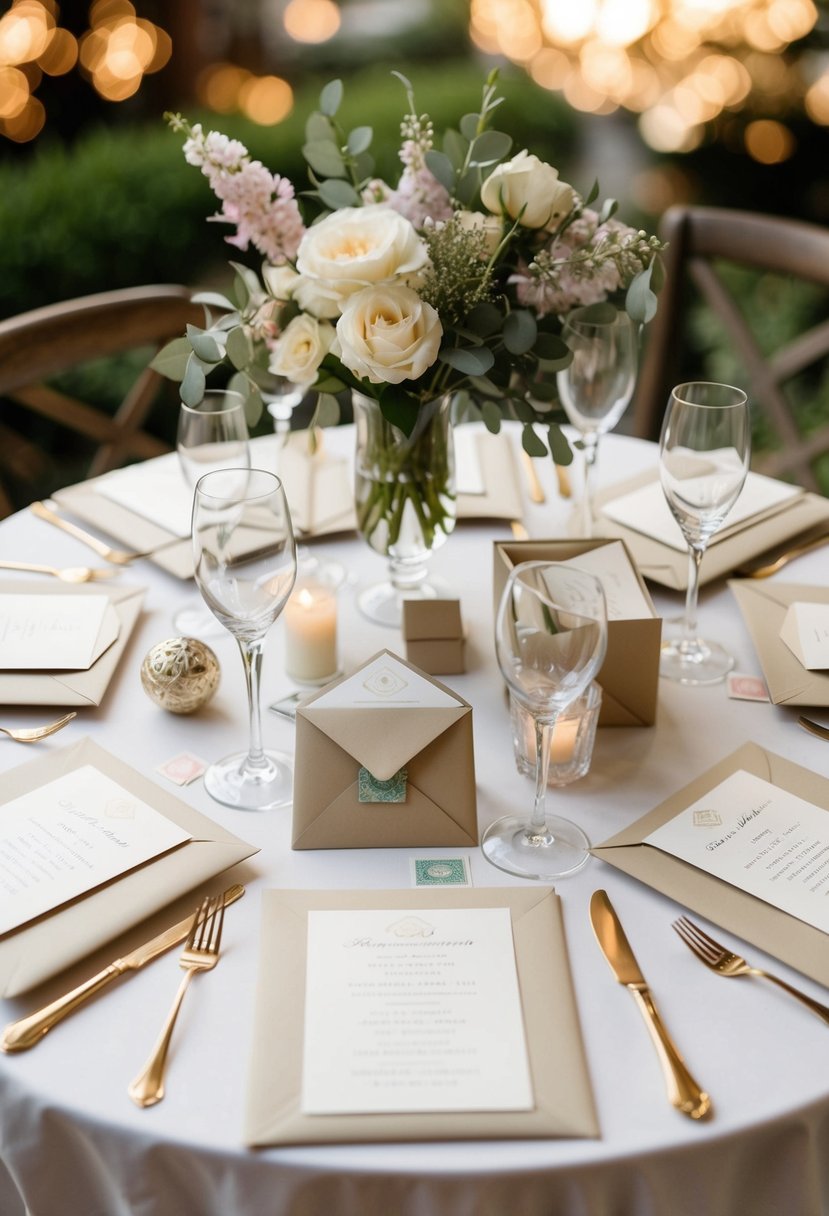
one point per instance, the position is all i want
(71, 574)
(37, 732)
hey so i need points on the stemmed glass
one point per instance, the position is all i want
(550, 639)
(704, 453)
(245, 559)
(211, 435)
(597, 385)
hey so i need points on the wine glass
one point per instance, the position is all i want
(704, 453)
(211, 435)
(550, 639)
(245, 559)
(597, 385)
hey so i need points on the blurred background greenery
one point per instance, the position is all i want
(710, 101)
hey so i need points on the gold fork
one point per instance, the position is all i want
(32, 734)
(726, 963)
(118, 557)
(200, 953)
(69, 574)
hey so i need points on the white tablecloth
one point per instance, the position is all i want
(74, 1143)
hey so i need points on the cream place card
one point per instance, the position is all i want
(384, 682)
(154, 490)
(55, 632)
(623, 590)
(764, 840)
(646, 509)
(413, 1010)
(69, 836)
(805, 630)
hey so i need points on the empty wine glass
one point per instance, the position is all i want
(245, 559)
(211, 435)
(597, 385)
(704, 453)
(550, 639)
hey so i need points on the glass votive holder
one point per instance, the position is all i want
(310, 617)
(571, 745)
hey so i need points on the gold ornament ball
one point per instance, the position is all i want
(180, 675)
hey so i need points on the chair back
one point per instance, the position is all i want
(38, 419)
(702, 243)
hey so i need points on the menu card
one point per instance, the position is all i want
(154, 490)
(73, 834)
(758, 837)
(48, 632)
(413, 1010)
(646, 510)
(805, 630)
(611, 565)
(385, 682)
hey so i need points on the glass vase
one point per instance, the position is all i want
(405, 501)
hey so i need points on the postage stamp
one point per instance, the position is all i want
(183, 768)
(441, 872)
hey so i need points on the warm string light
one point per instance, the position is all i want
(679, 64)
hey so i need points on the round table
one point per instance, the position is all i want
(73, 1143)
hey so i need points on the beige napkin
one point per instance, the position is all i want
(778, 933)
(563, 1099)
(72, 687)
(43, 947)
(764, 606)
(669, 567)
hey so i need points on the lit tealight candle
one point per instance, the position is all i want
(311, 633)
(562, 740)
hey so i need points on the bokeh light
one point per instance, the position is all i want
(311, 20)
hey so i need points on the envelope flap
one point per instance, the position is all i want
(383, 740)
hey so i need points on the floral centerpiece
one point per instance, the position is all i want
(452, 281)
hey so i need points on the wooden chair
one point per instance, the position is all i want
(702, 241)
(37, 346)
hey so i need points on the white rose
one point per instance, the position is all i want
(355, 247)
(489, 224)
(527, 187)
(280, 281)
(388, 334)
(302, 347)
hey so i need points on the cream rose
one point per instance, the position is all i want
(351, 249)
(280, 281)
(302, 347)
(528, 188)
(388, 334)
(490, 225)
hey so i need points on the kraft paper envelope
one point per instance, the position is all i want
(42, 947)
(72, 687)
(669, 567)
(764, 606)
(778, 933)
(433, 744)
(561, 1085)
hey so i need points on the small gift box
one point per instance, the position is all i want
(629, 676)
(433, 633)
(384, 759)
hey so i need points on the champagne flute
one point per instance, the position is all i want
(704, 452)
(597, 385)
(212, 434)
(550, 639)
(245, 559)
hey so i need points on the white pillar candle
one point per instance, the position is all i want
(311, 632)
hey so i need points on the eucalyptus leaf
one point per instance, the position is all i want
(491, 415)
(205, 345)
(609, 208)
(325, 158)
(212, 298)
(523, 410)
(469, 126)
(544, 390)
(239, 347)
(327, 412)
(560, 449)
(336, 193)
(467, 187)
(171, 360)
(456, 148)
(254, 406)
(317, 127)
(472, 361)
(359, 140)
(363, 166)
(600, 313)
(490, 147)
(441, 167)
(484, 319)
(552, 350)
(520, 332)
(331, 97)
(485, 388)
(593, 195)
(192, 386)
(327, 384)
(531, 443)
(640, 301)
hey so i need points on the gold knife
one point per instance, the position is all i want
(683, 1091)
(18, 1036)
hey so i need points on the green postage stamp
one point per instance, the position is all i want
(441, 872)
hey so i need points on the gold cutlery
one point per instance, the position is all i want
(814, 728)
(683, 1091)
(33, 733)
(19, 1036)
(200, 953)
(536, 490)
(774, 559)
(118, 557)
(518, 530)
(70, 574)
(563, 478)
(725, 962)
